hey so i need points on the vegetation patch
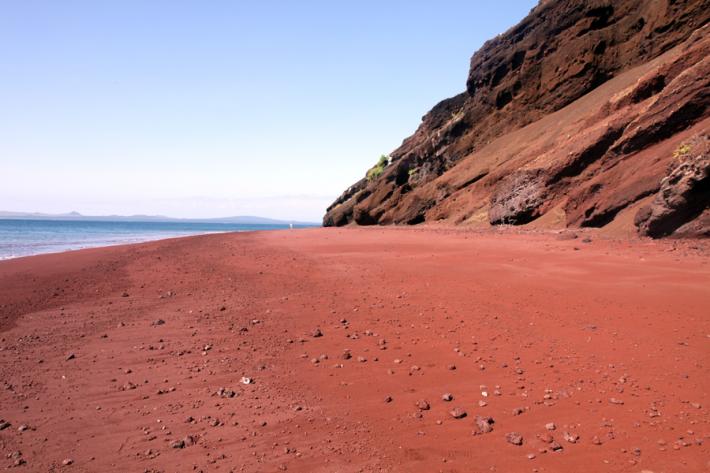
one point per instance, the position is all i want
(682, 150)
(376, 171)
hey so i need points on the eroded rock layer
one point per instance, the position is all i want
(591, 110)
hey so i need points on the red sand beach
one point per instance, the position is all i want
(131, 358)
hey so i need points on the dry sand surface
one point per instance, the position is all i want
(592, 356)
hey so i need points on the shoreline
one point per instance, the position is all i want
(118, 244)
(135, 242)
(577, 234)
(129, 357)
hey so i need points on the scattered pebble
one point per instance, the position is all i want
(484, 425)
(457, 413)
(178, 444)
(224, 392)
(423, 405)
(188, 441)
(514, 438)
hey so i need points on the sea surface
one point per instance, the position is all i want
(32, 237)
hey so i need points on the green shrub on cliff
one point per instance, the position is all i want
(377, 170)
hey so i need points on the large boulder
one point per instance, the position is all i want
(517, 198)
(684, 192)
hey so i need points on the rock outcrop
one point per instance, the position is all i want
(684, 193)
(579, 108)
(518, 197)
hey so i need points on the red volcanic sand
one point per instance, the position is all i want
(608, 340)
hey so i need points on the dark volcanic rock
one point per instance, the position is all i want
(423, 405)
(517, 198)
(568, 110)
(514, 438)
(684, 192)
(483, 425)
(457, 413)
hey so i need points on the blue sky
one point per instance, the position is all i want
(205, 109)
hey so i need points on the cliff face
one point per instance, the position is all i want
(583, 114)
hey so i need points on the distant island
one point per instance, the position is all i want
(242, 219)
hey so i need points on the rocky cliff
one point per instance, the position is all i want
(585, 114)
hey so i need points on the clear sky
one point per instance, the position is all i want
(219, 108)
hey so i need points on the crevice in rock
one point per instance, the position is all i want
(678, 120)
(604, 218)
(588, 156)
(473, 180)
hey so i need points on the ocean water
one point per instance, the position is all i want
(32, 237)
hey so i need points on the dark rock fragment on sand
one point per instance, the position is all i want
(483, 425)
(457, 413)
(514, 438)
(423, 405)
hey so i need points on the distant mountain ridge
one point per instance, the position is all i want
(242, 219)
